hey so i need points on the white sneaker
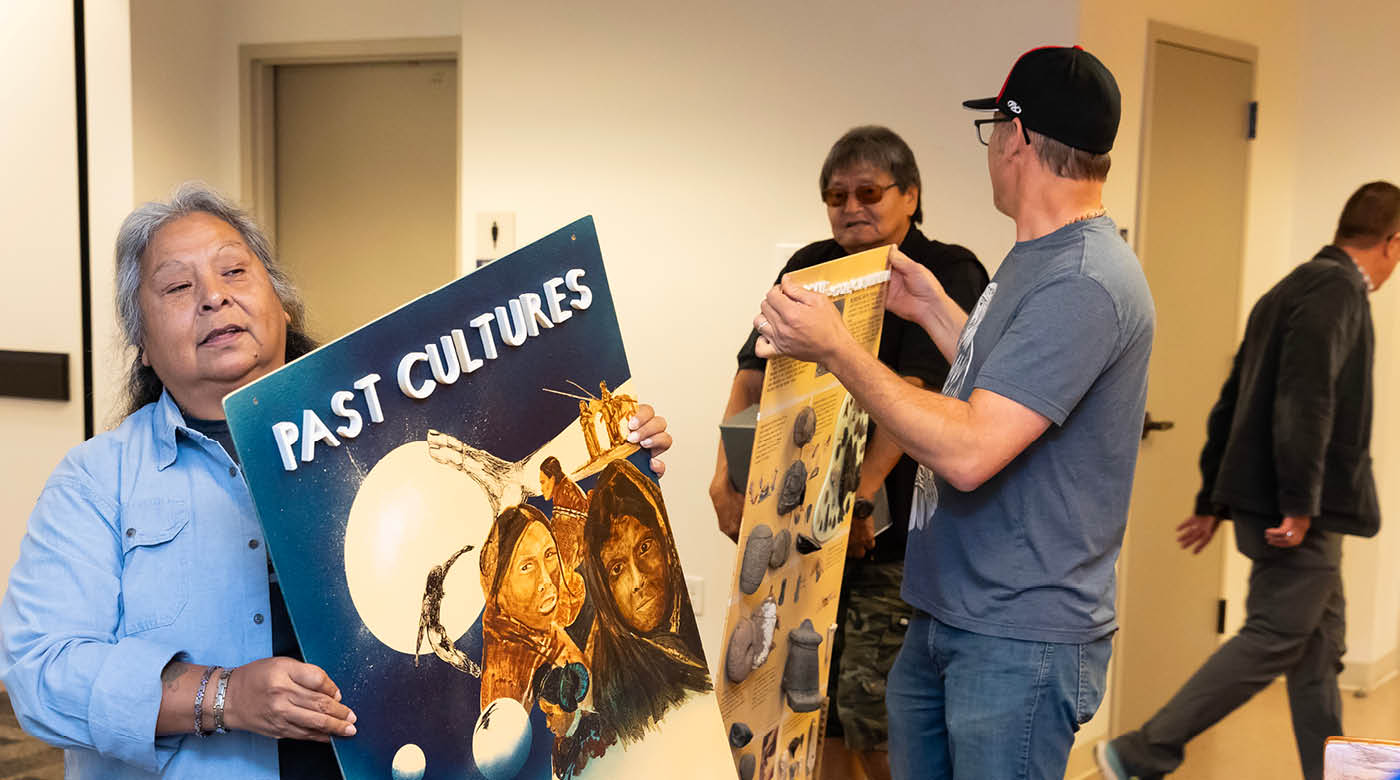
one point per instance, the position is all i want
(1110, 766)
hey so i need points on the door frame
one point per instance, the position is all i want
(1206, 43)
(257, 63)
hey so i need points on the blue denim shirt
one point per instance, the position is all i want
(143, 546)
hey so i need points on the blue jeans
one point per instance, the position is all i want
(971, 706)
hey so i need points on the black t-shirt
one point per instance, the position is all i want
(905, 348)
(296, 758)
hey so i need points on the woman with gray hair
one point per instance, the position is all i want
(141, 609)
(143, 617)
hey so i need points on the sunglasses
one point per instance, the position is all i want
(866, 194)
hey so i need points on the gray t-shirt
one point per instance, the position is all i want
(1064, 329)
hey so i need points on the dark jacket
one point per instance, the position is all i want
(1291, 433)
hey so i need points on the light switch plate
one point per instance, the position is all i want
(696, 587)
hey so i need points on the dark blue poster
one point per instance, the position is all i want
(469, 546)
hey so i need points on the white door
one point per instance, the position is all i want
(366, 185)
(1191, 244)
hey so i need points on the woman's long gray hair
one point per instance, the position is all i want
(142, 384)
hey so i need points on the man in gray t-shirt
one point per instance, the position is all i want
(1064, 330)
(1028, 452)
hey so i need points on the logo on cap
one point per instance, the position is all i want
(1013, 106)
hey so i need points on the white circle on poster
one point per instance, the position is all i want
(409, 763)
(412, 513)
(501, 739)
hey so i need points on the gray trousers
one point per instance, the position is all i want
(1295, 626)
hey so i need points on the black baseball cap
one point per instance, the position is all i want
(1061, 92)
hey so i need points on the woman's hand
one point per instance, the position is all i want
(280, 697)
(646, 429)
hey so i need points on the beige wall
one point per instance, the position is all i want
(1320, 64)
(184, 108)
(1345, 138)
(185, 72)
(695, 138)
(39, 304)
(1116, 30)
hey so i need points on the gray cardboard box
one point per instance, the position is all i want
(736, 434)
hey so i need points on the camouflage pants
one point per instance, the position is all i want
(873, 624)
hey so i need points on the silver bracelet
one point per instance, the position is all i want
(219, 701)
(199, 702)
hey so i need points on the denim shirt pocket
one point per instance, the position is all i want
(156, 562)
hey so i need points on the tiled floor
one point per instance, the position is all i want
(1255, 742)
(21, 756)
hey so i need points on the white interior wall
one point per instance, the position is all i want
(1345, 138)
(694, 135)
(39, 304)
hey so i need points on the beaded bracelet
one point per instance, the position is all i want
(219, 701)
(199, 702)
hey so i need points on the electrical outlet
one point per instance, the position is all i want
(696, 587)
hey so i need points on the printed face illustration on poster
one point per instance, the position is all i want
(469, 545)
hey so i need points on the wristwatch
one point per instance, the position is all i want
(863, 508)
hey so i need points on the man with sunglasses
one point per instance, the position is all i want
(1029, 451)
(870, 184)
(1287, 459)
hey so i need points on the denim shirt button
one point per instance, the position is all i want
(252, 544)
(258, 618)
(130, 532)
(233, 471)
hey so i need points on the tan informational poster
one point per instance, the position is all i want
(808, 445)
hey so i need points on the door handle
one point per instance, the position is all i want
(1149, 425)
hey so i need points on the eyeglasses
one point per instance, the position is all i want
(867, 194)
(985, 136)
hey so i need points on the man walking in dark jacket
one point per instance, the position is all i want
(1287, 460)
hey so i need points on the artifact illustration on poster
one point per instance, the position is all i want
(472, 550)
